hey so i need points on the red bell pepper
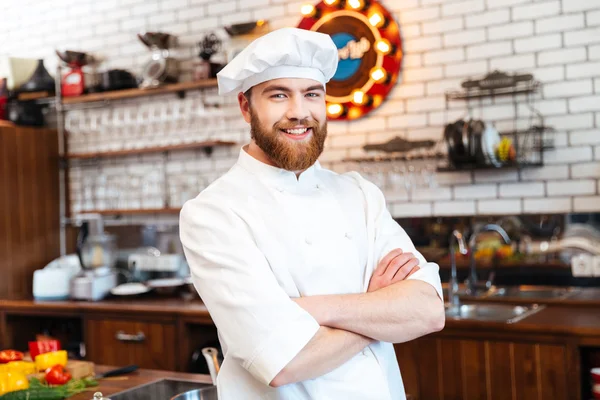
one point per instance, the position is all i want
(7, 356)
(57, 375)
(43, 346)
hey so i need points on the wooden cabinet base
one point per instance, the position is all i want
(122, 342)
(471, 369)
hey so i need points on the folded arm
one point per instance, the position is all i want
(264, 330)
(398, 313)
(327, 350)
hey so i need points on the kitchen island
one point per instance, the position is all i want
(109, 386)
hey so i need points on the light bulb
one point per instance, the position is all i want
(383, 46)
(335, 110)
(378, 74)
(356, 4)
(308, 10)
(359, 97)
(331, 2)
(376, 20)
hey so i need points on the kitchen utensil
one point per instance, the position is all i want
(210, 355)
(203, 68)
(118, 79)
(73, 82)
(117, 372)
(53, 281)
(17, 71)
(40, 81)
(97, 254)
(27, 113)
(490, 140)
(161, 68)
(130, 289)
(208, 393)
(162, 389)
(165, 286)
(399, 144)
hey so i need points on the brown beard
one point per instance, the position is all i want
(285, 153)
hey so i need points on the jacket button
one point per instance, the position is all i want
(348, 235)
(308, 241)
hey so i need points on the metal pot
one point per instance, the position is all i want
(208, 393)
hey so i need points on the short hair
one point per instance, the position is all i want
(247, 94)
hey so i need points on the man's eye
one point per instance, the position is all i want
(278, 96)
(313, 94)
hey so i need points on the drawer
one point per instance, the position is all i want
(121, 342)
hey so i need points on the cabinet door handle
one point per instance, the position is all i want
(128, 337)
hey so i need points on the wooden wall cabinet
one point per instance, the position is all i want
(29, 206)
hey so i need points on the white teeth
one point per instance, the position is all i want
(296, 131)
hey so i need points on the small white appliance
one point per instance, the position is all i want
(53, 281)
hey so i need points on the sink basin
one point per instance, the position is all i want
(534, 292)
(492, 312)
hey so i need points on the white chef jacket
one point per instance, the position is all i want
(259, 236)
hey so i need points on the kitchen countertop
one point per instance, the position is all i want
(170, 306)
(117, 384)
(583, 320)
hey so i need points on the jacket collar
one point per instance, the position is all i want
(276, 177)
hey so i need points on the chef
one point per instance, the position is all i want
(306, 276)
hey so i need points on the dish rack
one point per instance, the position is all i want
(519, 147)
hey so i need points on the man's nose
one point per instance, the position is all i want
(297, 109)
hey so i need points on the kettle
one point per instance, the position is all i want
(210, 355)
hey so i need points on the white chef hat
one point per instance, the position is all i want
(283, 53)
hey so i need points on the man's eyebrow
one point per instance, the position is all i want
(275, 88)
(315, 87)
(278, 88)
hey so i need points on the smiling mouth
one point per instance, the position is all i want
(296, 131)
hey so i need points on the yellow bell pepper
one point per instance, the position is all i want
(25, 367)
(46, 360)
(12, 381)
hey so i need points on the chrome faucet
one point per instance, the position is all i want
(472, 281)
(455, 237)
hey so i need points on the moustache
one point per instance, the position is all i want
(291, 125)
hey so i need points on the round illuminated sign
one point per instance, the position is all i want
(369, 49)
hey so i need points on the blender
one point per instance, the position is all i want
(97, 254)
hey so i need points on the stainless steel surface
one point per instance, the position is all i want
(472, 281)
(534, 292)
(506, 313)
(163, 389)
(128, 337)
(455, 238)
(209, 393)
(210, 355)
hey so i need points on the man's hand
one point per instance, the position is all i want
(394, 267)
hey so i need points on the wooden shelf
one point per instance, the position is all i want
(147, 150)
(527, 88)
(474, 167)
(137, 92)
(399, 157)
(137, 211)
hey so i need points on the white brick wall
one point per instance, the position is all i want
(445, 42)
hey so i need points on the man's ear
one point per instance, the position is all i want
(244, 106)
